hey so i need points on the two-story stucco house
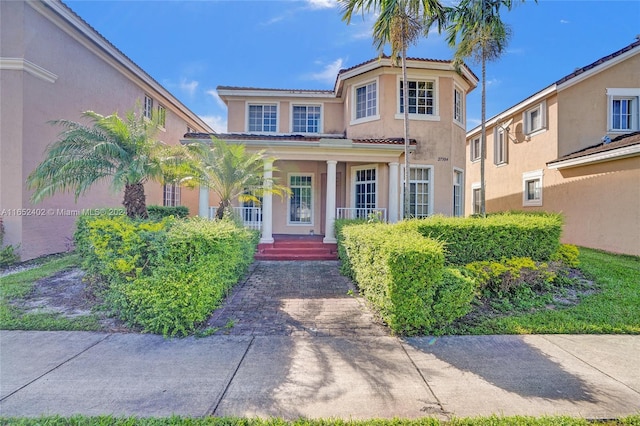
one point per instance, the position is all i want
(53, 65)
(572, 147)
(341, 151)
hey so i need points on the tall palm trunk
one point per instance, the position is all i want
(222, 208)
(135, 201)
(483, 136)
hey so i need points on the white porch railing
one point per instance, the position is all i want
(361, 213)
(251, 217)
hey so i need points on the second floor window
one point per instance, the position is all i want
(148, 107)
(366, 100)
(476, 149)
(500, 146)
(622, 114)
(162, 116)
(534, 119)
(306, 118)
(421, 97)
(457, 106)
(263, 118)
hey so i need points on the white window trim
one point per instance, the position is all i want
(623, 93)
(431, 186)
(496, 140)
(306, 104)
(526, 120)
(147, 112)
(436, 101)
(528, 177)
(175, 192)
(259, 103)
(461, 171)
(354, 103)
(161, 126)
(313, 179)
(462, 106)
(353, 182)
(473, 155)
(474, 186)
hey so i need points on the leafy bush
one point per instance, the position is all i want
(402, 275)
(343, 255)
(165, 276)
(495, 237)
(453, 297)
(501, 278)
(8, 255)
(160, 212)
(568, 254)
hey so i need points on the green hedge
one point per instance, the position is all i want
(168, 276)
(160, 212)
(402, 274)
(495, 237)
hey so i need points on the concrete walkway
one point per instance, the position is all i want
(307, 366)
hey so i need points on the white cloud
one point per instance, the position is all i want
(493, 82)
(329, 72)
(215, 96)
(564, 21)
(322, 4)
(474, 122)
(216, 122)
(188, 86)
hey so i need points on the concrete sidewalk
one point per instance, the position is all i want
(313, 376)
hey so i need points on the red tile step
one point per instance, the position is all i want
(297, 248)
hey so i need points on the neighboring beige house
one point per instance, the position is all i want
(574, 148)
(53, 65)
(341, 151)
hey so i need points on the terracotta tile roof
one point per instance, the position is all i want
(598, 62)
(295, 137)
(618, 142)
(342, 71)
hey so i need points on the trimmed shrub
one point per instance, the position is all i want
(495, 237)
(166, 276)
(160, 212)
(397, 273)
(453, 297)
(343, 255)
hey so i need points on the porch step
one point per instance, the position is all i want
(297, 250)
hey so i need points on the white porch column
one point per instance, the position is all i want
(267, 206)
(203, 202)
(330, 216)
(394, 193)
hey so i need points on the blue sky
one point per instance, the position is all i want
(191, 47)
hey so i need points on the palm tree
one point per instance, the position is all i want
(475, 29)
(400, 24)
(231, 172)
(110, 148)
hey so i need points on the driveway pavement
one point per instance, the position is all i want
(303, 346)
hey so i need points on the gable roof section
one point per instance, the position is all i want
(620, 147)
(566, 81)
(70, 22)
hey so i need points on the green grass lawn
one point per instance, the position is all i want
(614, 309)
(19, 285)
(235, 421)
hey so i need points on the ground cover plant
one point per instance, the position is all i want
(237, 421)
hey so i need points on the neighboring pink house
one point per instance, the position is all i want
(53, 65)
(341, 151)
(574, 148)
